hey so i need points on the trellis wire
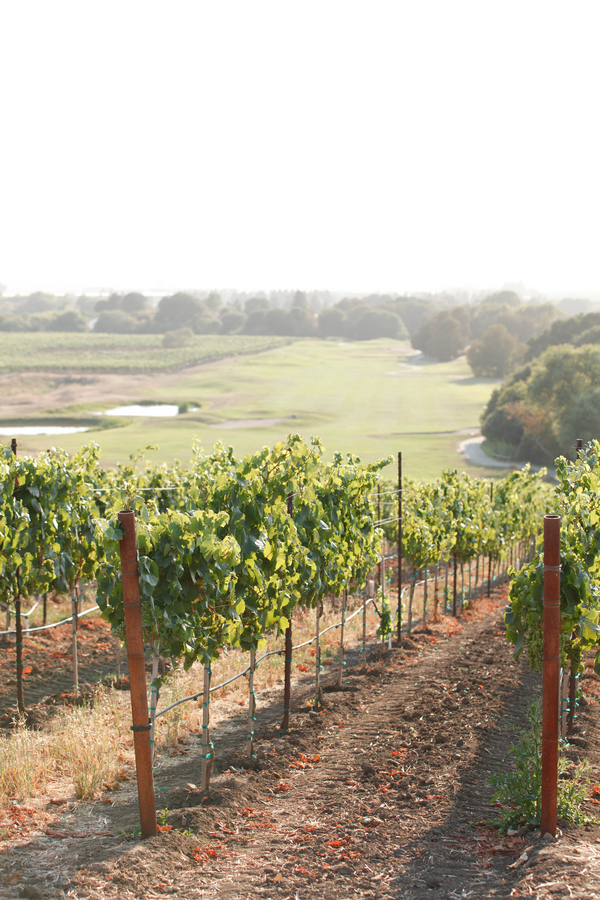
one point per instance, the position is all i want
(54, 624)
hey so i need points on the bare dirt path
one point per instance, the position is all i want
(383, 794)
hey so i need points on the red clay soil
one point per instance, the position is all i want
(385, 794)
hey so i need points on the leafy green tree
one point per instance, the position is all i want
(377, 323)
(492, 356)
(442, 336)
(133, 303)
(563, 331)
(115, 321)
(232, 320)
(70, 320)
(178, 311)
(256, 303)
(332, 322)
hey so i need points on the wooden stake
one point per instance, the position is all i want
(137, 674)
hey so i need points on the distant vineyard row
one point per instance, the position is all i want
(45, 351)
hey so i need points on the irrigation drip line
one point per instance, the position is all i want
(259, 659)
(223, 684)
(34, 607)
(54, 624)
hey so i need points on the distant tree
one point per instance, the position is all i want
(555, 399)
(379, 323)
(203, 324)
(38, 302)
(590, 336)
(255, 303)
(305, 320)
(562, 331)
(572, 307)
(112, 302)
(300, 300)
(412, 311)
(256, 322)
(180, 337)
(115, 321)
(214, 301)
(332, 322)
(133, 303)
(178, 311)
(280, 321)
(232, 320)
(493, 355)
(70, 320)
(11, 322)
(441, 336)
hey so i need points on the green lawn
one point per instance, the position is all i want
(362, 398)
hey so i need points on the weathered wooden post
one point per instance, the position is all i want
(137, 674)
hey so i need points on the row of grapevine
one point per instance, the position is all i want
(576, 500)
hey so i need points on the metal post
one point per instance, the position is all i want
(318, 695)
(287, 665)
(75, 660)
(454, 588)
(573, 673)
(137, 674)
(489, 587)
(251, 702)
(154, 695)
(399, 545)
(207, 756)
(18, 622)
(341, 668)
(550, 674)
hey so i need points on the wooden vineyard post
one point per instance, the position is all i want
(550, 679)
(426, 573)
(251, 703)
(341, 668)
(137, 674)
(399, 546)
(18, 622)
(287, 665)
(207, 755)
(74, 610)
(44, 608)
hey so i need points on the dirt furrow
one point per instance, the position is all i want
(384, 793)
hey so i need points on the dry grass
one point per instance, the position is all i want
(90, 745)
(25, 763)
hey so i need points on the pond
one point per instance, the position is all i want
(12, 430)
(140, 409)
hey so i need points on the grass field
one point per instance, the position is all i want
(52, 351)
(367, 398)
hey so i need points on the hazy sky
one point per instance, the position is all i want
(369, 146)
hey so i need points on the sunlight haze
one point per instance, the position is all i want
(382, 146)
